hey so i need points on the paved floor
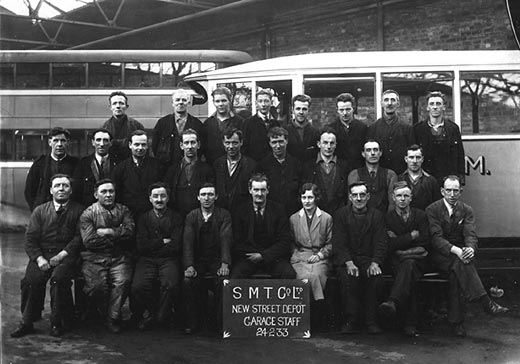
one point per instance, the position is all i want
(490, 339)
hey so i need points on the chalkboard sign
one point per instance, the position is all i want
(275, 308)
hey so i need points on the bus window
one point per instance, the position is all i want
(68, 75)
(490, 102)
(412, 89)
(174, 72)
(6, 75)
(7, 145)
(102, 75)
(32, 75)
(139, 75)
(324, 90)
(282, 91)
(30, 144)
(241, 93)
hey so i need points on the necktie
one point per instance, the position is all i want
(60, 210)
(372, 174)
(102, 169)
(258, 215)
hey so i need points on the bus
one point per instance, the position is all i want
(43, 89)
(483, 91)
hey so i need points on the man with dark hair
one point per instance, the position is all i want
(328, 172)
(441, 141)
(302, 135)
(283, 170)
(166, 137)
(232, 171)
(425, 188)
(224, 118)
(159, 245)
(379, 180)
(454, 242)
(359, 246)
(37, 184)
(262, 235)
(107, 230)
(187, 175)
(52, 242)
(256, 142)
(392, 133)
(133, 176)
(206, 252)
(120, 125)
(94, 167)
(408, 240)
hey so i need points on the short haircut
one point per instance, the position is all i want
(356, 184)
(137, 132)
(117, 93)
(277, 131)
(102, 182)
(390, 91)
(264, 91)
(313, 188)
(208, 185)
(189, 131)
(451, 177)
(371, 141)
(57, 131)
(301, 98)
(223, 90)
(415, 147)
(346, 97)
(178, 90)
(61, 175)
(155, 185)
(101, 130)
(229, 132)
(328, 130)
(401, 184)
(258, 177)
(436, 94)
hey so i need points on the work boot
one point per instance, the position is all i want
(459, 330)
(387, 309)
(22, 330)
(494, 308)
(113, 326)
(56, 331)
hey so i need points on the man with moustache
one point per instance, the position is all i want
(120, 125)
(232, 172)
(107, 229)
(379, 180)
(187, 175)
(256, 141)
(92, 168)
(283, 170)
(37, 183)
(159, 246)
(302, 135)
(52, 242)
(224, 118)
(392, 133)
(350, 132)
(328, 172)
(166, 137)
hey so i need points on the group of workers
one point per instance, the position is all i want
(232, 197)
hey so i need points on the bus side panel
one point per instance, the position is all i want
(12, 186)
(492, 179)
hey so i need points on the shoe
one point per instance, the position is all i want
(144, 323)
(348, 328)
(113, 326)
(410, 331)
(494, 308)
(387, 309)
(22, 330)
(56, 331)
(459, 330)
(374, 329)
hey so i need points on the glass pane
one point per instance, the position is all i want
(30, 144)
(68, 75)
(490, 102)
(174, 72)
(7, 75)
(6, 145)
(324, 91)
(32, 75)
(282, 91)
(241, 92)
(412, 89)
(104, 75)
(142, 74)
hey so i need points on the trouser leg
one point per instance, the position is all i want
(456, 304)
(120, 276)
(62, 304)
(349, 295)
(142, 292)
(192, 288)
(169, 288)
(96, 287)
(33, 292)
(372, 288)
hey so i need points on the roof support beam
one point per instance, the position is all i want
(66, 21)
(192, 4)
(35, 42)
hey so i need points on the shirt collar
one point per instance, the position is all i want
(319, 159)
(437, 126)
(449, 207)
(299, 126)
(57, 205)
(56, 159)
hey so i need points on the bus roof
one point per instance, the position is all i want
(328, 62)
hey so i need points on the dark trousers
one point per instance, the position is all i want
(463, 284)
(243, 268)
(33, 292)
(195, 290)
(149, 274)
(356, 289)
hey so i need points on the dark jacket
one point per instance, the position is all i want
(363, 246)
(150, 233)
(256, 142)
(48, 233)
(119, 149)
(425, 190)
(350, 143)
(38, 182)
(445, 159)
(212, 136)
(222, 234)
(278, 243)
(233, 191)
(166, 138)
(303, 149)
(85, 177)
(417, 221)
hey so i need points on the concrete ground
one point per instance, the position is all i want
(490, 339)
